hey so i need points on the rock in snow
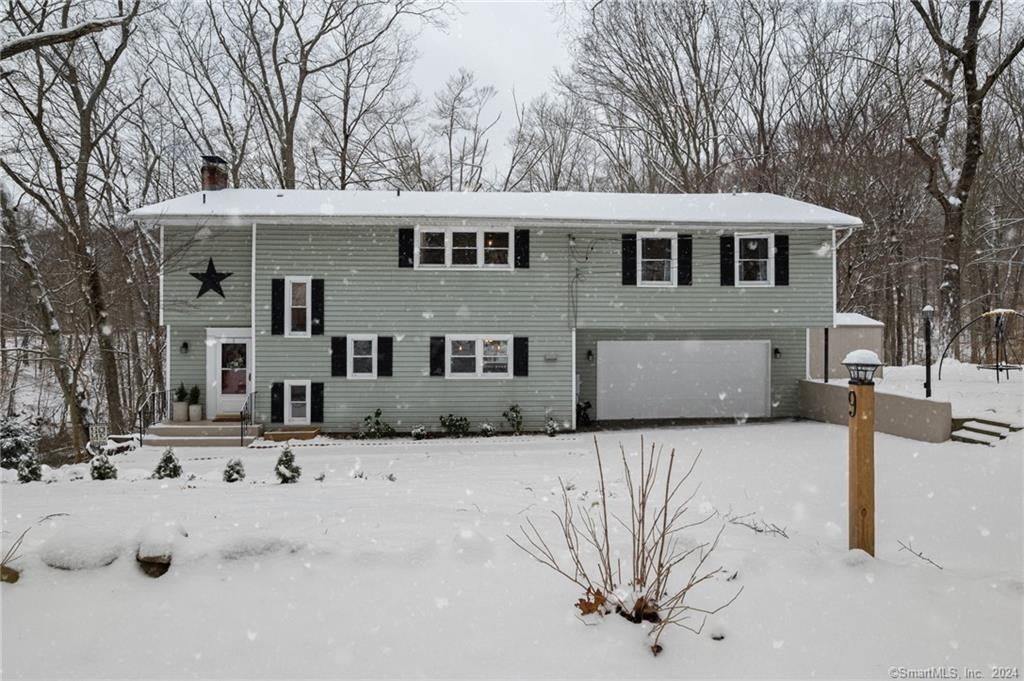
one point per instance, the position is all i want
(81, 548)
(156, 547)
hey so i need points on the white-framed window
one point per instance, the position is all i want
(478, 356)
(431, 247)
(464, 248)
(298, 296)
(755, 259)
(296, 402)
(361, 356)
(657, 256)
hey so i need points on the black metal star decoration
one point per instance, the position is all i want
(211, 279)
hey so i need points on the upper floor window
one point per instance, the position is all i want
(657, 256)
(478, 356)
(463, 247)
(755, 265)
(297, 295)
(362, 356)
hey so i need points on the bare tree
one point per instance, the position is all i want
(459, 120)
(958, 84)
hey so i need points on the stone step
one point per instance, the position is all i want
(200, 429)
(210, 441)
(1000, 431)
(973, 437)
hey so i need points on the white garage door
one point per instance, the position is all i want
(682, 379)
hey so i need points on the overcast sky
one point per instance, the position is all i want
(510, 45)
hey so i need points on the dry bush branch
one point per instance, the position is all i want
(651, 590)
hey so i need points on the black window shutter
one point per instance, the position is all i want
(277, 307)
(316, 403)
(316, 326)
(339, 356)
(781, 260)
(727, 257)
(385, 350)
(629, 259)
(277, 403)
(406, 244)
(437, 355)
(520, 356)
(522, 245)
(685, 252)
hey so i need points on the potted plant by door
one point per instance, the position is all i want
(179, 408)
(195, 410)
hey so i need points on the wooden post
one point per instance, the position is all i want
(862, 467)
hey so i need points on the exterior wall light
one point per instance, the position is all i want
(184, 348)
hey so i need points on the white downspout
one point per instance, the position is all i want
(252, 313)
(573, 377)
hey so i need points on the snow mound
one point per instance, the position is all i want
(81, 548)
(472, 547)
(862, 357)
(160, 539)
(256, 546)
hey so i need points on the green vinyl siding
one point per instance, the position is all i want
(188, 367)
(189, 250)
(366, 292)
(603, 301)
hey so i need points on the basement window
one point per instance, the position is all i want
(296, 402)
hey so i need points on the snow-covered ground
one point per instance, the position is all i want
(366, 577)
(973, 392)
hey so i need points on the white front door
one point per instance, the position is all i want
(228, 370)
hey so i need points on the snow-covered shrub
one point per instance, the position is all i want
(286, 469)
(552, 427)
(100, 468)
(659, 567)
(419, 432)
(18, 436)
(168, 466)
(487, 430)
(28, 468)
(374, 428)
(514, 417)
(234, 471)
(456, 426)
(390, 477)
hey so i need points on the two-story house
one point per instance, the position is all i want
(319, 307)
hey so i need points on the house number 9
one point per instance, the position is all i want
(851, 397)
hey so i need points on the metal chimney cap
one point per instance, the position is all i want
(213, 158)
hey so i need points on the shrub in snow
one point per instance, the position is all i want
(514, 417)
(287, 470)
(419, 432)
(390, 477)
(18, 436)
(661, 567)
(168, 466)
(234, 471)
(552, 427)
(374, 428)
(456, 426)
(28, 468)
(100, 468)
(487, 430)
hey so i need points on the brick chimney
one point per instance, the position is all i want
(214, 173)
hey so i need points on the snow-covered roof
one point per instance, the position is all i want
(855, 319)
(249, 205)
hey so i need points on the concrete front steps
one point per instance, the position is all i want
(980, 431)
(200, 434)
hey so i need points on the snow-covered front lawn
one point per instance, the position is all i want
(368, 577)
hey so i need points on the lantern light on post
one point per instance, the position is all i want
(862, 365)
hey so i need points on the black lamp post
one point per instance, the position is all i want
(928, 312)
